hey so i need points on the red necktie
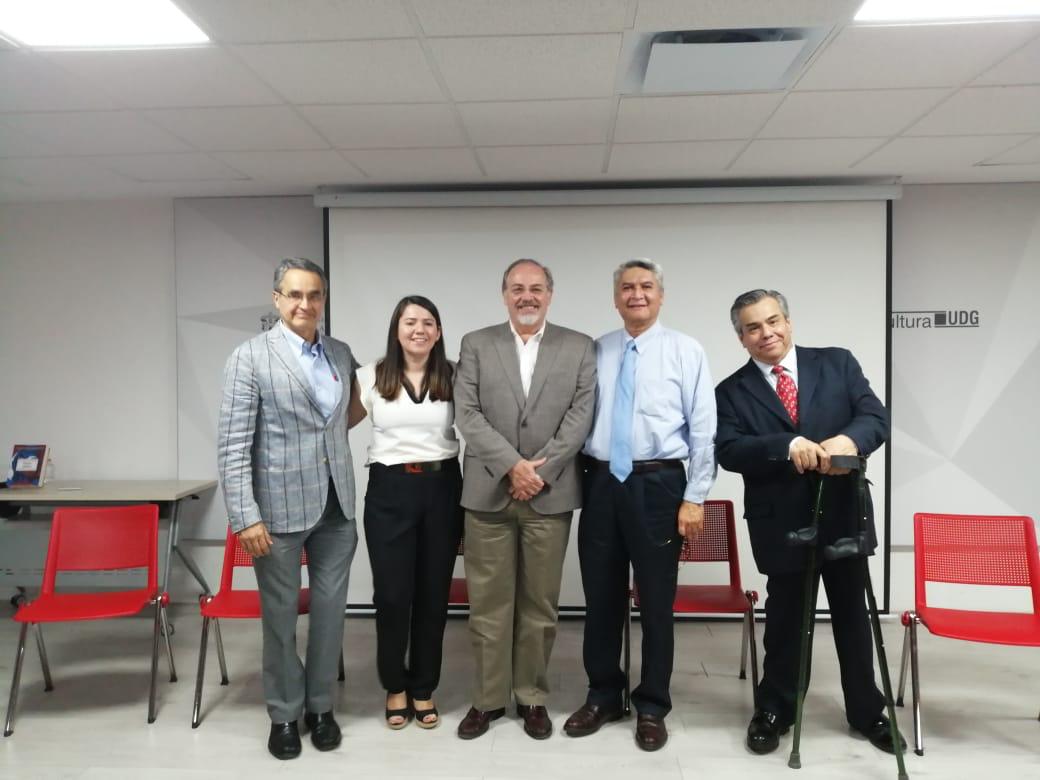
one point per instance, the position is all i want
(788, 392)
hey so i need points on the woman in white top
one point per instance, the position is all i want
(413, 521)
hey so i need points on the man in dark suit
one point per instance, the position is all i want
(787, 412)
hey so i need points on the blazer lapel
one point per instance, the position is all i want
(548, 351)
(808, 380)
(752, 380)
(280, 347)
(506, 347)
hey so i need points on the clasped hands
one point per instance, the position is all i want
(524, 482)
(809, 456)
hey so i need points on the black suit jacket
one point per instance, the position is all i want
(755, 431)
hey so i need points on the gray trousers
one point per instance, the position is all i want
(514, 563)
(289, 684)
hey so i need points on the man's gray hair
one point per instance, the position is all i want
(521, 261)
(640, 262)
(750, 298)
(300, 264)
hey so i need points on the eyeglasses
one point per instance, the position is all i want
(298, 297)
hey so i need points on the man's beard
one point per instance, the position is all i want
(528, 319)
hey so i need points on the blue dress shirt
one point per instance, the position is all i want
(674, 406)
(324, 379)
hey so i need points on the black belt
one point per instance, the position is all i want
(644, 466)
(422, 467)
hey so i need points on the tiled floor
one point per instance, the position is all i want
(980, 714)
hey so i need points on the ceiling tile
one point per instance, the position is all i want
(860, 113)
(672, 160)
(978, 173)
(814, 157)
(1021, 67)
(239, 128)
(312, 168)
(29, 82)
(392, 71)
(946, 55)
(270, 21)
(984, 111)
(16, 144)
(697, 117)
(528, 67)
(171, 167)
(417, 165)
(168, 78)
(543, 163)
(662, 15)
(383, 127)
(62, 172)
(95, 132)
(509, 17)
(537, 122)
(1023, 154)
(904, 155)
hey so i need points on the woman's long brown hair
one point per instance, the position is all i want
(390, 370)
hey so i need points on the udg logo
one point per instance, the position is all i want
(950, 318)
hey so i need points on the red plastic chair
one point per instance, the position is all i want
(230, 602)
(969, 550)
(717, 543)
(457, 594)
(96, 539)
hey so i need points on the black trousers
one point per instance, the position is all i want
(413, 523)
(635, 521)
(844, 583)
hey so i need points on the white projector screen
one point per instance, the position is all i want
(828, 258)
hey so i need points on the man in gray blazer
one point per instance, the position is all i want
(524, 399)
(288, 483)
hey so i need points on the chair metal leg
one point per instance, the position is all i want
(220, 652)
(342, 669)
(752, 642)
(16, 679)
(904, 659)
(915, 684)
(48, 684)
(197, 707)
(166, 636)
(744, 647)
(157, 622)
(627, 639)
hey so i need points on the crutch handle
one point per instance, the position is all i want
(850, 462)
(803, 537)
(847, 547)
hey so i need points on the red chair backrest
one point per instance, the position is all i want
(717, 542)
(103, 538)
(975, 550)
(236, 556)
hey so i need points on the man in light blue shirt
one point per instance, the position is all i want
(650, 465)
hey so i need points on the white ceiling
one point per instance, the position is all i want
(297, 94)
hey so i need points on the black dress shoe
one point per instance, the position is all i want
(588, 720)
(536, 720)
(476, 722)
(284, 742)
(651, 733)
(763, 733)
(880, 735)
(325, 733)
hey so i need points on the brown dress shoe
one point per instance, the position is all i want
(651, 733)
(476, 722)
(588, 720)
(536, 720)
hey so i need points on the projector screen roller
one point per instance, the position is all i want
(828, 258)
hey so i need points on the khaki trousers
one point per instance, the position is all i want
(514, 563)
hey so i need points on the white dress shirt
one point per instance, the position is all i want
(527, 352)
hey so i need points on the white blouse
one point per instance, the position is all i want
(403, 430)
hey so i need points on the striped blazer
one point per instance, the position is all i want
(275, 450)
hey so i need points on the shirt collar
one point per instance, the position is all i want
(536, 337)
(789, 362)
(643, 338)
(298, 343)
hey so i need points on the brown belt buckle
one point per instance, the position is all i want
(413, 468)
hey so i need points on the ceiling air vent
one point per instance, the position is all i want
(749, 60)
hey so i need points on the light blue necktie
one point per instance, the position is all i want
(621, 416)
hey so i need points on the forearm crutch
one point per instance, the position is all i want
(805, 537)
(859, 546)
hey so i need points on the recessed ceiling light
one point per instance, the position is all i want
(946, 10)
(98, 23)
